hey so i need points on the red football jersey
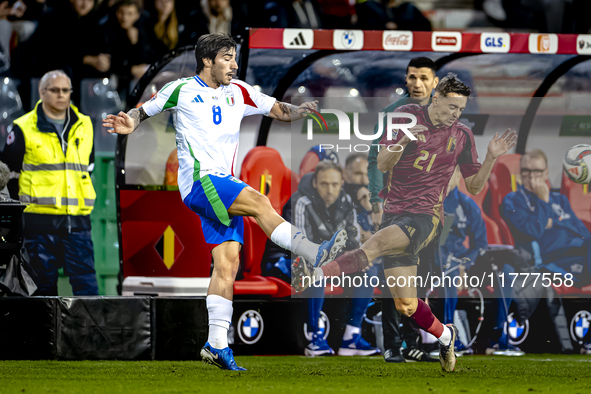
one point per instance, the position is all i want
(418, 182)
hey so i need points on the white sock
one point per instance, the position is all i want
(219, 311)
(289, 237)
(445, 338)
(350, 331)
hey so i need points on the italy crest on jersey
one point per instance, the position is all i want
(230, 100)
(451, 144)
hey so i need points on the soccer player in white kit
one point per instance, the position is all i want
(207, 111)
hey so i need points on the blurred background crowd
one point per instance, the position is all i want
(120, 38)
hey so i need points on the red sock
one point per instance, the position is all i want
(346, 264)
(425, 319)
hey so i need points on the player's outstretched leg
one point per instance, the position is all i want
(252, 203)
(219, 306)
(388, 241)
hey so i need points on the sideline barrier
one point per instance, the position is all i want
(175, 328)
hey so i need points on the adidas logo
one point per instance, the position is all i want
(298, 38)
(298, 41)
(197, 99)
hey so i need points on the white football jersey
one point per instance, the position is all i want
(207, 123)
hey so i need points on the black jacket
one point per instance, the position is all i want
(319, 223)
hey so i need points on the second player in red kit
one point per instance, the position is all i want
(419, 172)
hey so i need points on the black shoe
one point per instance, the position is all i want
(417, 355)
(393, 356)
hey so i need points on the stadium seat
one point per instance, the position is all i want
(503, 180)
(264, 170)
(579, 197)
(252, 254)
(309, 163)
(493, 234)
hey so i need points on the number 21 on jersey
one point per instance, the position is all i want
(424, 156)
(217, 114)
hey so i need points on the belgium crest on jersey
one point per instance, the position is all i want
(451, 144)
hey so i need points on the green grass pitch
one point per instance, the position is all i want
(474, 374)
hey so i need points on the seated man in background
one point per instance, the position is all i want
(321, 205)
(544, 224)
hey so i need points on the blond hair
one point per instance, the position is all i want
(535, 154)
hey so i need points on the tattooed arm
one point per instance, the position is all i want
(125, 123)
(287, 112)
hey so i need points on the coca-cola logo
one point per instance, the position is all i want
(397, 40)
(446, 41)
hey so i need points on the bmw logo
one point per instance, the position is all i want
(579, 326)
(517, 333)
(250, 327)
(348, 38)
(323, 325)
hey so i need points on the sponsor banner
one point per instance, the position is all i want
(495, 42)
(543, 43)
(298, 38)
(584, 44)
(575, 126)
(446, 41)
(579, 327)
(250, 327)
(347, 39)
(400, 40)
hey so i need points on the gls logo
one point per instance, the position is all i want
(345, 125)
(495, 42)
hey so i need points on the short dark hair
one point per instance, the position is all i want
(209, 45)
(326, 165)
(354, 156)
(452, 84)
(422, 62)
(127, 3)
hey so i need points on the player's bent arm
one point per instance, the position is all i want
(286, 112)
(388, 159)
(476, 182)
(138, 115)
(498, 146)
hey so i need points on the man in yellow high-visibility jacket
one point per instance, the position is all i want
(52, 148)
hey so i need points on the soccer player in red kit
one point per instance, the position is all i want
(419, 172)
